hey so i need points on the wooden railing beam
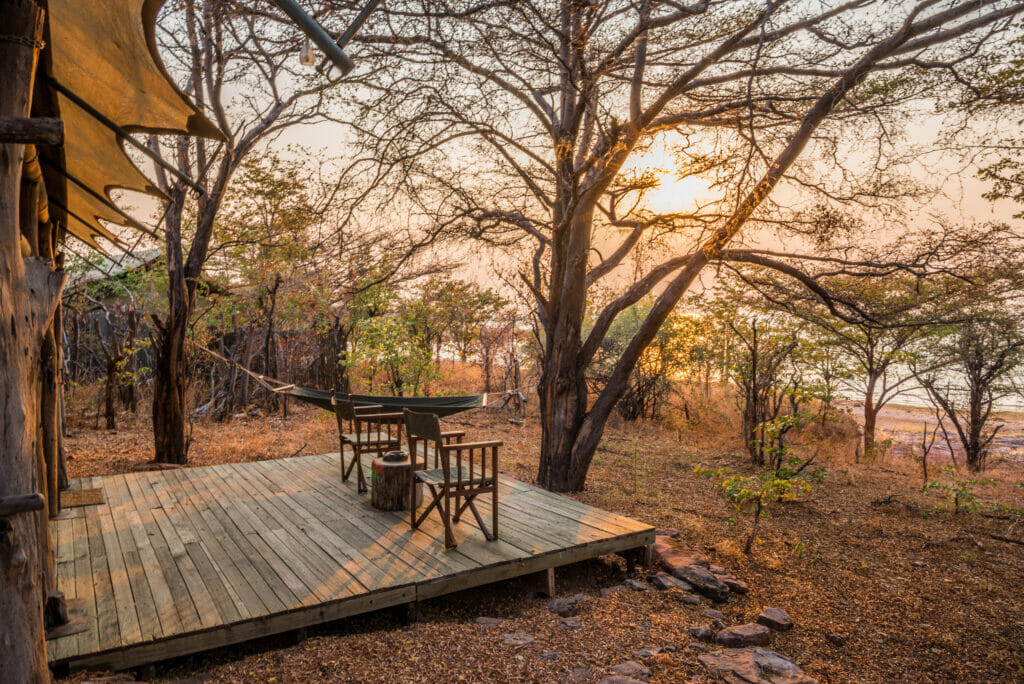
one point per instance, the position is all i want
(33, 131)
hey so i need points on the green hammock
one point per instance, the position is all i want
(442, 406)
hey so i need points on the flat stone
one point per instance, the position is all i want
(698, 647)
(718, 570)
(671, 558)
(713, 614)
(776, 619)
(703, 581)
(489, 621)
(690, 599)
(518, 638)
(753, 666)
(570, 622)
(664, 581)
(631, 668)
(566, 606)
(736, 586)
(551, 655)
(647, 651)
(702, 632)
(750, 634)
(608, 591)
(669, 532)
(636, 585)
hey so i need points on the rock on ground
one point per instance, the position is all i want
(703, 581)
(744, 635)
(703, 633)
(518, 639)
(631, 668)
(754, 666)
(775, 618)
(570, 622)
(489, 621)
(636, 585)
(567, 606)
(663, 581)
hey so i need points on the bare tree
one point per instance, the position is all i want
(241, 68)
(516, 120)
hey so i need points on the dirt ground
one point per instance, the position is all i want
(912, 591)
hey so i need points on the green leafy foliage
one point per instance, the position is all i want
(753, 494)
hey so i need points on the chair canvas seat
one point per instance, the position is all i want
(370, 439)
(436, 477)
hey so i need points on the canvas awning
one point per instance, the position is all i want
(103, 52)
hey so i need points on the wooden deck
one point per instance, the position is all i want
(179, 561)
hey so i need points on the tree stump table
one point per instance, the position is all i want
(389, 490)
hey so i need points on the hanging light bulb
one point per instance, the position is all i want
(306, 55)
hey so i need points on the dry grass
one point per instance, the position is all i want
(913, 603)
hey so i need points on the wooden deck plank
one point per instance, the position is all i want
(274, 593)
(359, 553)
(269, 537)
(227, 563)
(138, 562)
(286, 544)
(423, 553)
(107, 632)
(257, 594)
(137, 511)
(64, 647)
(390, 533)
(343, 572)
(88, 640)
(166, 514)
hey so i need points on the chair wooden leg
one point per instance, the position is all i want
(494, 511)
(449, 536)
(480, 521)
(434, 503)
(361, 485)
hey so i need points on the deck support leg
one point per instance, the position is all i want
(633, 558)
(410, 613)
(542, 583)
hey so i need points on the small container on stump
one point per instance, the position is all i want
(390, 488)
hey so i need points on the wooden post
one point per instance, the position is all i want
(29, 293)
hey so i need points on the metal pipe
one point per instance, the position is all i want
(358, 22)
(317, 34)
(125, 135)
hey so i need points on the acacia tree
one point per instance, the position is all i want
(516, 121)
(877, 306)
(973, 366)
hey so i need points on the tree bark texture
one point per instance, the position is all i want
(29, 294)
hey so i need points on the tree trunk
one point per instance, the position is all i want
(870, 414)
(169, 396)
(29, 294)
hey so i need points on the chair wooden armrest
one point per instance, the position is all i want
(368, 408)
(380, 417)
(450, 435)
(471, 445)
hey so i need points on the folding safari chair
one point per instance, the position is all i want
(365, 430)
(461, 472)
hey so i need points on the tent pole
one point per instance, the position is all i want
(316, 33)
